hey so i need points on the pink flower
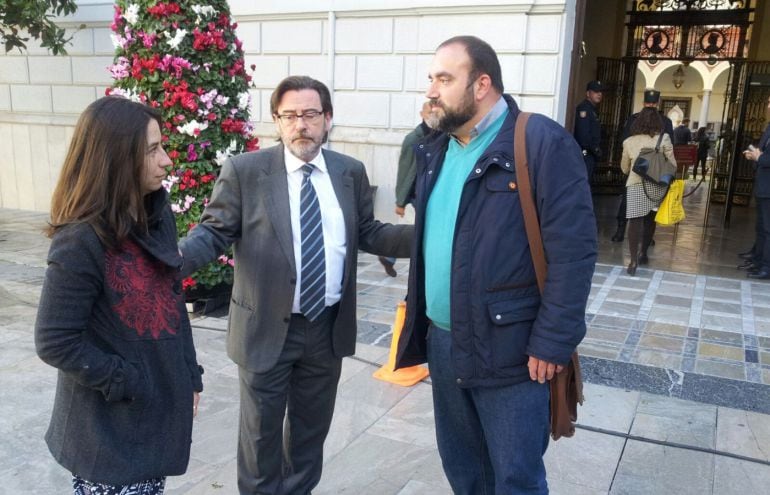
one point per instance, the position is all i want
(174, 65)
(117, 18)
(120, 69)
(147, 39)
(191, 154)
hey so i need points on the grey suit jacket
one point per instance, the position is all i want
(249, 209)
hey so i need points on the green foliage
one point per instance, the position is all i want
(22, 20)
(183, 58)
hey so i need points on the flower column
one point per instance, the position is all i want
(183, 58)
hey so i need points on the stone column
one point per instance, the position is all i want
(704, 108)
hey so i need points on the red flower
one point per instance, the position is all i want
(188, 283)
(173, 154)
(203, 40)
(236, 69)
(232, 125)
(189, 102)
(164, 9)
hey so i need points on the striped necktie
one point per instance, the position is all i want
(312, 298)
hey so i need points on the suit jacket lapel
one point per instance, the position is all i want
(276, 188)
(342, 183)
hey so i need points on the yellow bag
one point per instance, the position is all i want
(671, 210)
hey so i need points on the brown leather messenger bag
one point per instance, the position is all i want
(567, 385)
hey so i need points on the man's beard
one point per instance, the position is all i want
(453, 119)
(305, 149)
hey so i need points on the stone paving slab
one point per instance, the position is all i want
(374, 420)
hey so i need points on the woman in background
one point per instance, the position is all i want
(642, 200)
(112, 317)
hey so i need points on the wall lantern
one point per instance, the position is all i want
(678, 77)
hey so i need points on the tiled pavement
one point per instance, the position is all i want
(690, 336)
(643, 337)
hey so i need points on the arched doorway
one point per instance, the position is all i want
(707, 42)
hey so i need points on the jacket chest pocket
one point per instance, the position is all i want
(501, 181)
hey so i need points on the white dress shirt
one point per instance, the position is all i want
(332, 222)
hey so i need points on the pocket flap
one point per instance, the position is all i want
(515, 310)
(498, 180)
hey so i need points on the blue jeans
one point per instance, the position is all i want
(491, 439)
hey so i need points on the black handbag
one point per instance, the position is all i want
(653, 166)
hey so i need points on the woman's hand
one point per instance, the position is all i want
(196, 399)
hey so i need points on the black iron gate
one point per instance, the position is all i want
(686, 30)
(743, 120)
(618, 77)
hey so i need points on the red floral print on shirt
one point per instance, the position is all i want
(143, 296)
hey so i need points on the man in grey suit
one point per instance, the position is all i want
(293, 309)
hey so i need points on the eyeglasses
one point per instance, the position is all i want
(309, 116)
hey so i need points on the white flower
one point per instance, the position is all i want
(243, 100)
(174, 41)
(126, 93)
(169, 182)
(131, 15)
(191, 127)
(204, 11)
(223, 155)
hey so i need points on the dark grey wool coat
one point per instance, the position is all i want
(114, 324)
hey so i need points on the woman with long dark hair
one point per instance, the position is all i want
(642, 199)
(112, 317)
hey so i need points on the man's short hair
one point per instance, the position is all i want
(483, 59)
(298, 83)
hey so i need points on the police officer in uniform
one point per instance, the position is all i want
(588, 129)
(651, 100)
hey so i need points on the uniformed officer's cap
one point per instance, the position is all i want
(651, 96)
(595, 86)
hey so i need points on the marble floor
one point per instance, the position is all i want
(701, 244)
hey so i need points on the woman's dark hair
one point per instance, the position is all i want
(483, 59)
(100, 181)
(700, 134)
(297, 83)
(647, 122)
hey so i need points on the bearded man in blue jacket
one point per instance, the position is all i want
(474, 311)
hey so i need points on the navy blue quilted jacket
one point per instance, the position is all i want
(497, 315)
